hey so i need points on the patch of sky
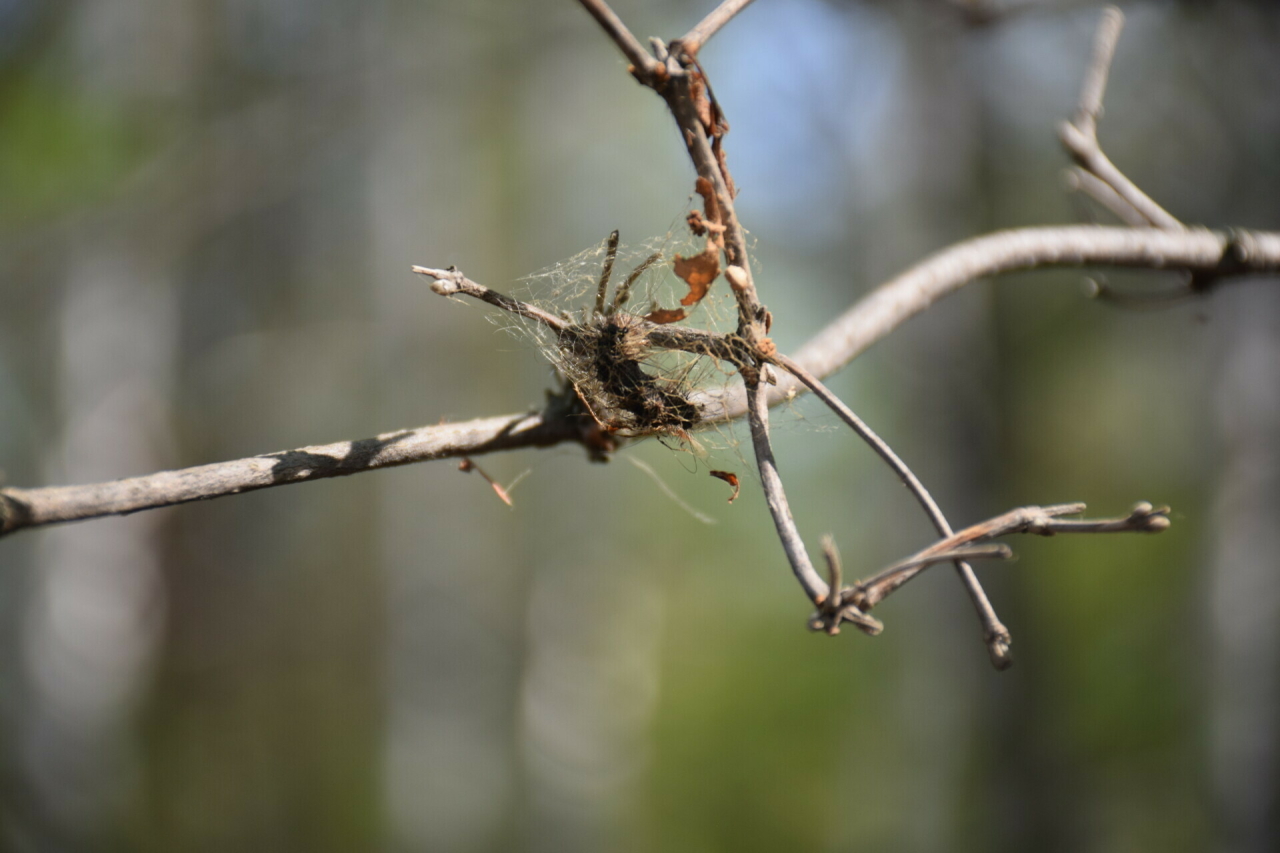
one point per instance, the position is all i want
(808, 89)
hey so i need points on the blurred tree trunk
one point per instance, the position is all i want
(1244, 676)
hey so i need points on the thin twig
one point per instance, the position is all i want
(610, 256)
(834, 609)
(994, 632)
(776, 498)
(643, 64)
(452, 282)
(1042, 521)
(1080, 135)
(693, 40)
(1082, 180)
(1095, 80)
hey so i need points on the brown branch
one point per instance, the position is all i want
(677, 88)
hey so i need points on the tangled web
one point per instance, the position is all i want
(629, 387)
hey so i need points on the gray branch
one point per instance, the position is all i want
(874, 317)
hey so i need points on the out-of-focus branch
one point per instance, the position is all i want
(693, 40)
(1080, 136)
(1083, 181)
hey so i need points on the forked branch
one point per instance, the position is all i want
(674, 73)
(1109, 186)
(854, 602)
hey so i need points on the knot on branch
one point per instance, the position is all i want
(446, 282)
(839, 603)
(852, 603)
(9, 515)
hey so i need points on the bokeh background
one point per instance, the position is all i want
(208, 210)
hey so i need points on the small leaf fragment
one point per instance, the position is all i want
(701, 102)
(718, 149)
(710, 205)
(730, 478)
(662, 316)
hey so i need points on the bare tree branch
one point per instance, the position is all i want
(693, 40)
(872, 318)
(1080, 135)
(1082, 180)
(644, 65)
(22, 508)
(776, 498)
(451, 282)
(676, 76)
(1213, 254)
(995, 634)
(1042, 521)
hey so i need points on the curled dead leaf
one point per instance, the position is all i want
(730, 478)
(698, 272)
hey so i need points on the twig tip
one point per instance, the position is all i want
(445, 281)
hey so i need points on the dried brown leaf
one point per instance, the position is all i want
(730, 478)
(666, 315)
(698, 272)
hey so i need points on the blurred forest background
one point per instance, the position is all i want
(208, 211)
